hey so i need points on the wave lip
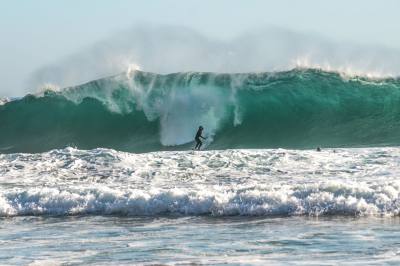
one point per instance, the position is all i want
(337, 198)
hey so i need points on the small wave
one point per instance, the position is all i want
(336, 198)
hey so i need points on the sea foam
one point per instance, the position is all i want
(319, 199)
(355, 182)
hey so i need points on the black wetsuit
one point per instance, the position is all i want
(197, 139)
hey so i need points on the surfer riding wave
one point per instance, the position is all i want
(198, 138)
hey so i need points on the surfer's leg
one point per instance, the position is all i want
(200, 143)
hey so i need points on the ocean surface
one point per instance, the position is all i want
(103, 173)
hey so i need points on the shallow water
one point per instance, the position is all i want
(100, 240)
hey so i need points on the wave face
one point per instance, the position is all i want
(355, 182)
(141, 112)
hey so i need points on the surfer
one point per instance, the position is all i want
(197, 138)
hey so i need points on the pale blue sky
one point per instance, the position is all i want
(38, 32)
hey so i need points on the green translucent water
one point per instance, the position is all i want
(149, 112)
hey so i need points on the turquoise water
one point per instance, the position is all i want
(142, 112)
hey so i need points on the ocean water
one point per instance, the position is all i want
(100, 240)
(144, 112)
(103, 173)
(275, 206)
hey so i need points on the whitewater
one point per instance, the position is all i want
(274, 206)
(212, 183)
(103, 172)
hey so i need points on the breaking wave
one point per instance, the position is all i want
(140, 112)
(336, 198)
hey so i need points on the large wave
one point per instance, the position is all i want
(140, 111)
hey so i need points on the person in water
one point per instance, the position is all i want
(197, 138)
